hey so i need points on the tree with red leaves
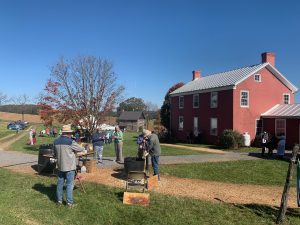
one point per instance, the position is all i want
(165, 108)
(81, 92)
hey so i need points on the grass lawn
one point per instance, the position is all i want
(29, 199)
(260, 172)
(129, 146)
(22, 146)
(4, 131)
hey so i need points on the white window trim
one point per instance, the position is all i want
(244, 106)
(276, 126)
(194, 101)
(210, 130)
(257, 74)
(288, 94)
(181, 97)
(216, 106)
(180, 128)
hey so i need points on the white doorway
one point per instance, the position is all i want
(196, 126)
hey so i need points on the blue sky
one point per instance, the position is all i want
(153, 44)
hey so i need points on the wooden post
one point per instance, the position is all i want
(285, 194)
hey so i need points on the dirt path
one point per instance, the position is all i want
(195, 148)
(8, 140)
(198, 189)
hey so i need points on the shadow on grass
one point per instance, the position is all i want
(266, 211)
(49, 191)
(120, 195)
(270, 157)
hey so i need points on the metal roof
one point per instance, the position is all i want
(229, 79)
(283, 110)
(132, 115)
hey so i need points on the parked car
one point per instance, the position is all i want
(14, 126)
(22, 123)
(17, 124)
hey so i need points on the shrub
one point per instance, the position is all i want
(231, 139)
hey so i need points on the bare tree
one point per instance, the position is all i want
(3, 98)
(21, 100)
(82, 91)
(151, 106)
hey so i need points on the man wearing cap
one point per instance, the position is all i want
(64, 150)
(154, 150)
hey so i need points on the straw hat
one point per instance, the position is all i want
(66, 129)
(146, 132)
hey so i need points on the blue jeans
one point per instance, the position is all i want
(98, 152)
(155, 162)
(69, 177)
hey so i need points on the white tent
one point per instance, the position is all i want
(106, 127)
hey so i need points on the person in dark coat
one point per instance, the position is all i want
(154, 150)
(98, 142)
(264, 141)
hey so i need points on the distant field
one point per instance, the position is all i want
(14, 116)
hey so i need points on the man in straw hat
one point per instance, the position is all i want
(154, 150)
(64, 149)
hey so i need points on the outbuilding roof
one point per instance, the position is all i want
(132, 115)
(229, 80)
(283, 111)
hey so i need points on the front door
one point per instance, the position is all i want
(299, 134)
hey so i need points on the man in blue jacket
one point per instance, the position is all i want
(98, 142)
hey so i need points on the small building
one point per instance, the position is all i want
(283, 119)
(132, 120)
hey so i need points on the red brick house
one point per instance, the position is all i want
(233, 99)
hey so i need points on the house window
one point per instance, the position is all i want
(286, 98)
(213, 99)
(258, 127)
(280, 127)
(180, 123)
(196, 101)
(244, 98)
(181, 102)
(214, 126)
(257, 77)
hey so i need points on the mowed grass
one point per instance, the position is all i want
(21, 145)
(27, 199)
(257, 172)
(4, 132)
(129, 146)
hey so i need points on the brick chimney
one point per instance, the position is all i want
(196, 74)
(268, 57)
